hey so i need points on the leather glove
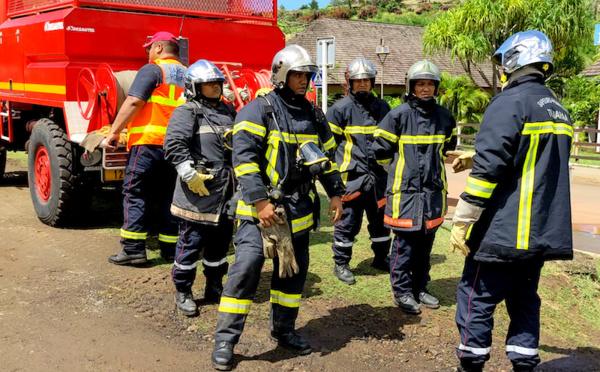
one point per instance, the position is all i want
(277, 238)
(463, 161)
(465, 215)
(196, 184)
(193, 178)
(458, 237)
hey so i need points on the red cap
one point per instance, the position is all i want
(160, 36)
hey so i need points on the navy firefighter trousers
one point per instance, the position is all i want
(483, 286)
(350, 223)
(147, 176)
(242, 282)
(194, 238)
(410, 262)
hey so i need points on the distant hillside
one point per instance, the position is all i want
(414, 13)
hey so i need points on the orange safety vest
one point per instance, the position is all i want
(150, 125)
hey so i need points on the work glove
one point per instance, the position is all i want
(465, 216)
(277, 239)
(464, 160)
(196, 184)
(193, 178)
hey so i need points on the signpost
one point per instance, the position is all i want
(325, 58)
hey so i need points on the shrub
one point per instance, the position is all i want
(340, 13)
(367, 12)
(418, 11)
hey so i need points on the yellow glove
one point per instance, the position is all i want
(270, 240)
(458, 237)
(196, 184)
(464, 160)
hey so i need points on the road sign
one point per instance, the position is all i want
(330, 42)
(317, 80)
(597, 35)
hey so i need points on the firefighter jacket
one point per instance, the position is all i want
(150, 125)
(353, 123)
(415, 137)
(196, 132)
(265, 152)
(521, 176)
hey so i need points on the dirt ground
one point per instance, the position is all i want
(63, 307)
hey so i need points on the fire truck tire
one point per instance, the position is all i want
(2, 163)
(50, 173)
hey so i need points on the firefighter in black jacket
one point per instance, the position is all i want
(353, 121)
(415, 136)
(196, 143)
(274, 143)
(516, 206)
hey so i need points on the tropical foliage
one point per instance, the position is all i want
(581, 96)
(465, 100)
(475, 29)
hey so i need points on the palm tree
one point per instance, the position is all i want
(465, 100)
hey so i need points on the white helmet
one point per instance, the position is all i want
(422, 70)
(291, 58)
(360, 68)
(201, 72)
(525, 48)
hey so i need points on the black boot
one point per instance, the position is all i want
(427, 300)
(222, 356)
(291, 341)
(467, 367)
(408, 304)
(381, 263)
(128, 259)
(343, 273)
(185, 302)
(213, 290)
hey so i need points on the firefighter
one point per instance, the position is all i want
(516, 205)
(198, 145)
(353, 121)
(414, 137)
(276, 161)
(146, 112)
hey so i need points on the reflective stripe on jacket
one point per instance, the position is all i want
(353, 126)
(260, 163)
(150, 125)
(521, 176)
(416, 144)
(196, 132)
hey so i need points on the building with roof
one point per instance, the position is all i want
(592, 70)
(355, 38)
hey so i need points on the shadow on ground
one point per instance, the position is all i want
(333, 332)
(581, 359)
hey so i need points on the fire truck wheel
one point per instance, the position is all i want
(50, 172)
(2, 163)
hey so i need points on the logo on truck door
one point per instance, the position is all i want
(80, 29)
(53, 26)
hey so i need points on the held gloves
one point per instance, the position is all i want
(464, 160)
(193, 178)
(277, 239)
(465, 216)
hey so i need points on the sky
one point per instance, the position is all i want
(296, 4)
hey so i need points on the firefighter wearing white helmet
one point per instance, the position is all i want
(353, 121)
(196, 144)
(414, 137)
(515, 212)
(276, 138)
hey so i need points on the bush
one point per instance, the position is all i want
(418, 11)
(340, 13)
(367, 12)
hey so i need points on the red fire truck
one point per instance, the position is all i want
(60, 62)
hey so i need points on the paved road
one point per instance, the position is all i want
(585, 204)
